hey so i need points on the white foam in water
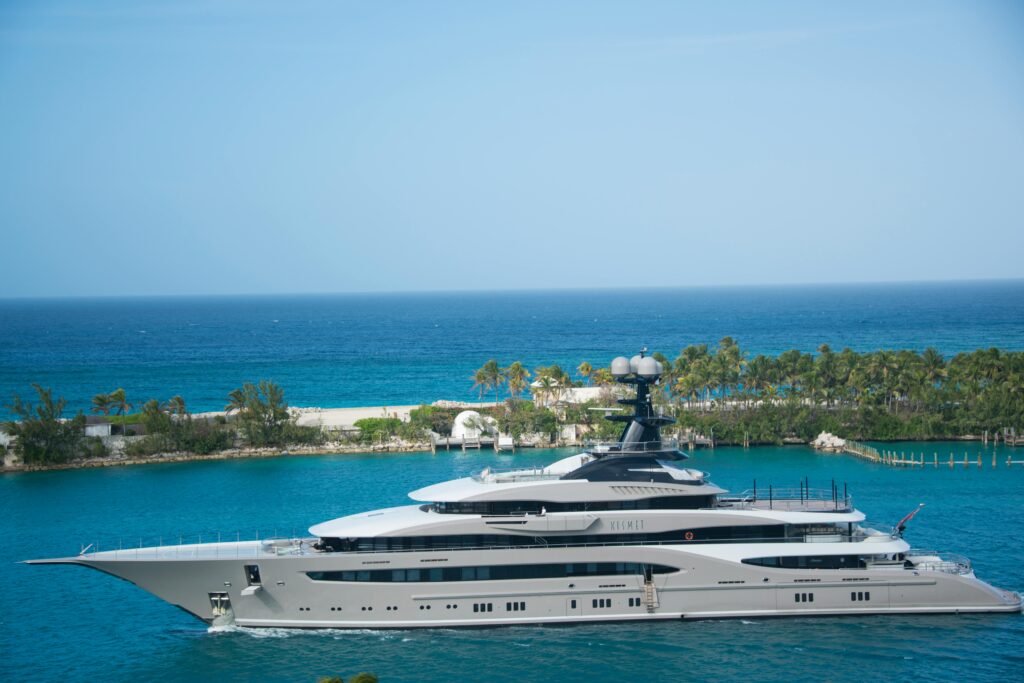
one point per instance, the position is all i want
(274, 632)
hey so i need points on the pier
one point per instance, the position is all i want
(862, 450)
(954, 460)
(904, 459)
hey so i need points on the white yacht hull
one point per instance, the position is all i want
(704, 588)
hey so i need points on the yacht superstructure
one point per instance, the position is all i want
(623, 531)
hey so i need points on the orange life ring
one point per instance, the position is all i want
(688, 535)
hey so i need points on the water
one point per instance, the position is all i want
(336, 351)
(68, 623)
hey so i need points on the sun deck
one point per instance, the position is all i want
(790, 500)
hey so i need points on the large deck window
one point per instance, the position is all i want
(809, 562)
(723, 534)
(514, 507)
(492, 573)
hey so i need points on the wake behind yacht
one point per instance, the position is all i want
(622, 531)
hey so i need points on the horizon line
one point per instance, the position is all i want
(511, 290)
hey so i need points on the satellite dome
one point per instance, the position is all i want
(634, 363)
(620, 367)
(648, 367)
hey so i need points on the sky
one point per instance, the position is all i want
(161, 148)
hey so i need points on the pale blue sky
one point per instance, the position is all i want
(249, 147)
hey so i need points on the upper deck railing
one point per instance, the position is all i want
(790, 500)
(933, 561)
(295, 546)
(606, 447)
(507, 476)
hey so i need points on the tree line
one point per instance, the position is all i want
(256, 416)
(885, 394)
(724, 391)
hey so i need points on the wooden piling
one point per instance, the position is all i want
(936, 459)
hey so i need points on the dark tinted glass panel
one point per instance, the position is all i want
(766, 533)
(497, 572)
(809, 562)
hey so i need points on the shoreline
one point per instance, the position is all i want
(351, 449)
(232, 454)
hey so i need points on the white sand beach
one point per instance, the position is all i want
(345, 418)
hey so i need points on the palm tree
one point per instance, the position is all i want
(825, 370)
(120, 402)
(151, 408)
(550, 381)
(494, 377)
(789, 369)
(882, 367)
(176, 405)
(518, 378)
(933, 365)
(602, 377)
(236, 401)
(759, 374)
(585, 370)
(102, 403)
(481, 382)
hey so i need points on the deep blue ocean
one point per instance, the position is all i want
(67, 623)
(395, 349)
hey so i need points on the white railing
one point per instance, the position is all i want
(790, 499)
(933, 561)
(198, 547)
(667, 444)
(492, 476)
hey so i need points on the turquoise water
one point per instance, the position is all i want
(67, 623)
(398, 349)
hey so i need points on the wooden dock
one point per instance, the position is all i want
(862, 450)
(903, 459)
(1011, 438)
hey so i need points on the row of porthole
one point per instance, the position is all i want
(424, 606)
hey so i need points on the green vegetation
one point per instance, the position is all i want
(262, 413)
(260, 419)
(377, 429)
(882, 395)
(724, 392)
(433, 418)
(44, 437)
(522, 417)
(363, 677)
(170, 428)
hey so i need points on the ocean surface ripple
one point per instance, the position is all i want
(68, 623)
(398, 349)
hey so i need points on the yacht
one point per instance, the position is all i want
(622, 531)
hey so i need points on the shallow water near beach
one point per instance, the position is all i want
(68, 623)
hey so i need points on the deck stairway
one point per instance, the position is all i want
(650, 596)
